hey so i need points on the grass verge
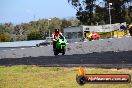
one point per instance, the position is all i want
(27, 76)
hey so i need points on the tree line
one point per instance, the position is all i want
(91, 12)
(34, 30)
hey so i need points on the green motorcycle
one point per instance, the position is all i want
(60, 46)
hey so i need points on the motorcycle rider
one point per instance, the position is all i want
(55, 36)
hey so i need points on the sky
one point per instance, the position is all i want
(20, 11)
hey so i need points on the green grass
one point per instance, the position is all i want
(52, 77)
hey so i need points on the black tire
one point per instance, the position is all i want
(63, 53)
(37, 45)
(56, 53)
(81, 80)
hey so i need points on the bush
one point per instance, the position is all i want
(5, 38)
(34, 35)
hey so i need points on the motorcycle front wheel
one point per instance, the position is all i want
(55, 52)
(63, 51)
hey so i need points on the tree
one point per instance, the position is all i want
(130, 14)
(35, 29)
(85, 10)
(101, 15)
(1, 29)
(65, 23)
(118, 9)
(90, 12)
(74, 21)
(34, 35)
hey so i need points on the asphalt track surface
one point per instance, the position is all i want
(107, 53)
(11, 48)
(103, 59)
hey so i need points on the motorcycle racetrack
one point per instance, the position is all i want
(108, 53)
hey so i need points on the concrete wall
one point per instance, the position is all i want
(21, 43)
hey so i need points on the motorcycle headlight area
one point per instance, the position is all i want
(60, 41)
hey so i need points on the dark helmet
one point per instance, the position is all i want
(56, 30)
